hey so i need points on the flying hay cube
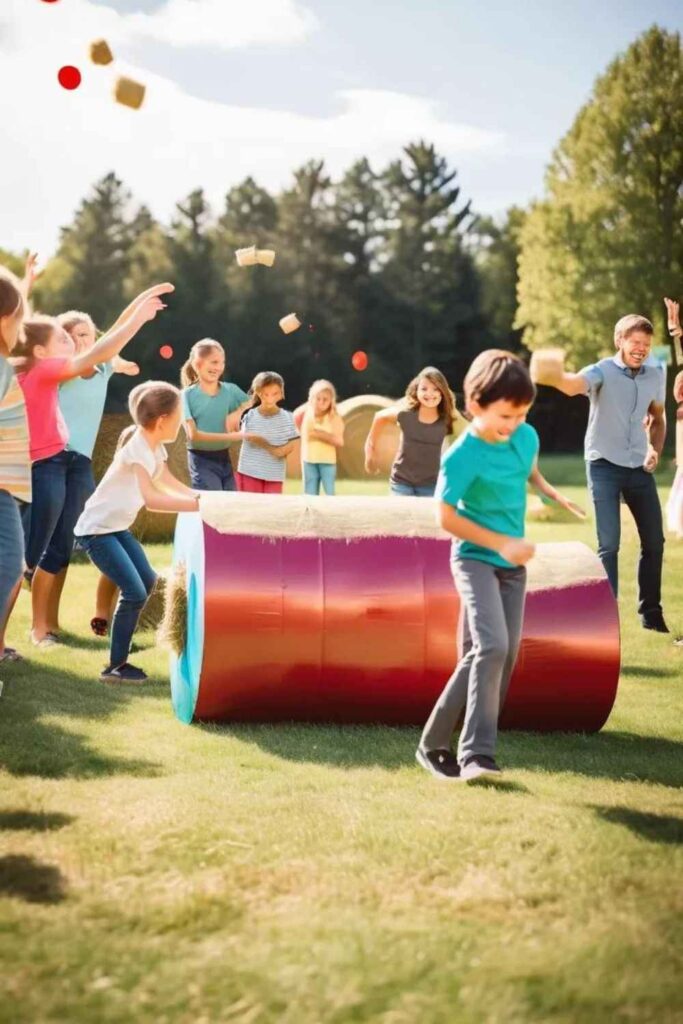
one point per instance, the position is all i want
(246, 257)
(129, 93)
(290, 323)
(100, 52)
(266, 257)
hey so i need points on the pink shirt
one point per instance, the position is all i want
(48, 433)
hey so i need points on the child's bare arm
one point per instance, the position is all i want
(540, 484)
(379, 420)
(172, 483)
(156, 501)
(193, 433)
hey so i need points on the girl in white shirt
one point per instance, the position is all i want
(135, 478)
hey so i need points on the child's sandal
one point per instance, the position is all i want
(99, 626)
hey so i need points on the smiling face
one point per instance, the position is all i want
(211, 368)
(428, 394)
(634, 348)
(497, 421)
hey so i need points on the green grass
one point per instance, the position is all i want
(155, 872)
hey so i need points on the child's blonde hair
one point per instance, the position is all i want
(11, 297)
(447, 408)
(146, 403)
(73, 317)
(200, 350)
(323, 385)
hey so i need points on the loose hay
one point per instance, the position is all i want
(172, 632)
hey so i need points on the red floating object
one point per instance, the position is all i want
(359, 360)
(69, 77)
(166, 352)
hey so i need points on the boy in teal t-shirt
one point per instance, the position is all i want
(482, 493)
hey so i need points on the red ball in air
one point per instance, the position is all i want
(69, 77)
(359, 360)
(166, 352)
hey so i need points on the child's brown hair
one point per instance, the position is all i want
(447, 409)
(146, 403)
(496, 374)
(37, 331)
(11, 299)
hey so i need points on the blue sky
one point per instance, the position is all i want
(495, 85)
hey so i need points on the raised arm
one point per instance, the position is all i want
(130, 309)
(547, 367)
(379, 421)
(111, 344)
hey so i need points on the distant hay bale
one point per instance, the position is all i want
(150, 526)
(172, 632)
(357, 414)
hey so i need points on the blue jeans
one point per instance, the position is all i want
(607, 483)
(61, 486)
(211, 471)
(423, 491)
(122, 559)
(317, 473)
(11, 548)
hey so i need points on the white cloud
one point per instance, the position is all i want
(56, 143)
(225, 24)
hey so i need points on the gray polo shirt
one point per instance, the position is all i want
(619, 402)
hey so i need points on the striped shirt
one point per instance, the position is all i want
(277, 429)
(15, 463)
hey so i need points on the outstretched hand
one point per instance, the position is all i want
(149, 308)
(30, 271)
(571, 506)
(673, 321)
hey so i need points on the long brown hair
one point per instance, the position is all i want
(146, 403)
(200, 350)
(447, 408)
(263, 380)
(11, 299)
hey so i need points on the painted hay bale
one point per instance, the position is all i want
(149, 526)
(358, 621)
(358, 413)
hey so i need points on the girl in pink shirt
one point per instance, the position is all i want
(48, 358)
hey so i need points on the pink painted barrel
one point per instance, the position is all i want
(304, 618)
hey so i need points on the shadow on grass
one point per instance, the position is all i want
(34, 735)
(29, 880)
(648, 670)
(607, 755)
(621, 756)
(33, 821)
(658, 828)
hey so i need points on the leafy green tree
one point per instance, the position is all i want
(606, 238)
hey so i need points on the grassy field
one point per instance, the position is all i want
(155, 872)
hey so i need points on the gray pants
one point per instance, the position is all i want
(490, 626)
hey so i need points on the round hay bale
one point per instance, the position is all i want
(151, 526)
(172, 632)
(152, 614)
(357, 414)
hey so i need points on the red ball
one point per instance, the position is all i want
(166, 352)
(359, 360)
(69, 77)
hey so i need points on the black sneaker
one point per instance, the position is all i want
(443, 764)
(655, 622)
(125, 673)
(479, 765)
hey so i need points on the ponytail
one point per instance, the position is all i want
(188, 374)
(125, 436)
(200, 350)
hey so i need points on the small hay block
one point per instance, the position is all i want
(100, 52)
(129, 93)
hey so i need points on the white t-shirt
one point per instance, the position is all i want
(118, 499)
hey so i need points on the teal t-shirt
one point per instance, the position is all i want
(82, 403)
(487, 483)
(209, 412)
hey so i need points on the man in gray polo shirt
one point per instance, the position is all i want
(624, 440)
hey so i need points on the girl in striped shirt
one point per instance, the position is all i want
(270, 435)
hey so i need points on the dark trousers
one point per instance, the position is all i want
(211, 471)
(607, 483)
